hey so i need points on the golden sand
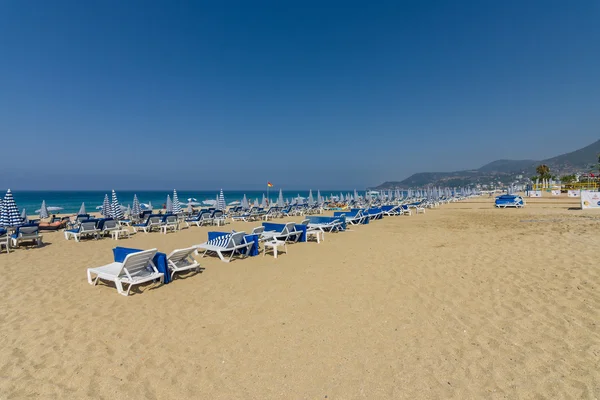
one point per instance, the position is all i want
(465, 301)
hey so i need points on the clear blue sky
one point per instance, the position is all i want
(331, 94)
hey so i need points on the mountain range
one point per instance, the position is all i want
(503, 170)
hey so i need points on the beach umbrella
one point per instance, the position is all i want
(169, 205)
(280, 202)
(43, 210)
(190, 209)
(136, 209)
(256, 203)
(24, 215)
(190, 199)
(221, 205)
(52, 208)
(245, 204)
(81, 209)
(355, 194)
(209, 202)
(10, 213)
(263, 203)
(176, 204)
(106, 212)
(128, 212)
(115, 209)
(150, 205)
(235, 203)
(311, 201)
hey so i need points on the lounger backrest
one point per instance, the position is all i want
(136, 262)
(258, 230)
(87, 226)
(171, 220)
(28, 230)
(289, 227)
(236, 239)
(110, 224)
(154, 221)
(218, 214)
(304, 222)
(177, 256)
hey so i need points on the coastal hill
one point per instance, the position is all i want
(503, 170)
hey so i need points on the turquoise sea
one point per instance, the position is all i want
(70, 201)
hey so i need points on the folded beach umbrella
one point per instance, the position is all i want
(221, 205)
(190, 209)
(256, 203)
(263, 203)
(245, 204)
(128, 212)
(280, 202)
(311, 201)
(43, 210)
(24, 215)
(169, 205)
(81, 209)
(150, 205)
(106, 212)
(10, 213)
(136, 210)
(176, 204)
(115, 209)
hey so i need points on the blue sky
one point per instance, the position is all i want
(337, 94)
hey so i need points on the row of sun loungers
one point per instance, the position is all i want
(139, 267)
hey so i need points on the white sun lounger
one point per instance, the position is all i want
(137, 268)
(287, 234)
(332, 226)
(181, 260)
(230, 243)
(85, 229)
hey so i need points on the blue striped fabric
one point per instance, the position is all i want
(221, 241)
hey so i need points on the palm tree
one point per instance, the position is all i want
(543, 171)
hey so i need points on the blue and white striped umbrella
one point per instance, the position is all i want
(176, 204)
(81, 209)
(169, 205)
(135, 208)
(115, 208)
(106, 212)
(221, 205)
(43, 210)
(245, 204)
(10, 213)
(280, 201)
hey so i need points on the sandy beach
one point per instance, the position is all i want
(465, 302)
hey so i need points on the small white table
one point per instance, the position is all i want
(317, 233)
(119, 233)
(166, 227)
(273, 246)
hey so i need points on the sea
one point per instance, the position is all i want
(70, 201)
